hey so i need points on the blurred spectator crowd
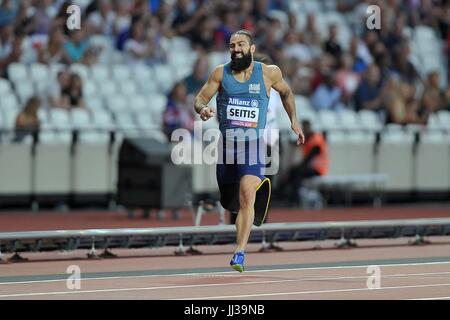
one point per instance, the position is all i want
(323, 47)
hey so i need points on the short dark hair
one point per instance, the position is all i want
(245, 33)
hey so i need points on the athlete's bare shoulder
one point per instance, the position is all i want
(217, 73)
(272, 73)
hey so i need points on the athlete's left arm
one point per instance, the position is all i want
(287, 97)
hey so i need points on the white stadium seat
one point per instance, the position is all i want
(17, 72)
(81, 70)
(120, 72)
(90, 89)
(349, 120)
(164, 77)
(444, 118)
(102, 120)
(94, 103)
(60, 119)
(157, 104)
(24, 90)
(125, 122)
(127, 87)
(107, 89)
(370, 120)
(138, 103)
(328, 120)
(39, 72)
(80, 119)
(117, 103)
(9, 118)
(142, 74)
(9, 101)
(5, 88)
(99, 73)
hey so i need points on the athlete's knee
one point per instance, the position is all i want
(247, 194)
(247, 197)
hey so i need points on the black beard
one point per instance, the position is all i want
(240, 64)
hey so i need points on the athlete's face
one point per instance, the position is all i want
(241, 52)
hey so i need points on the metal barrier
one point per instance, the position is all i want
(32, 241)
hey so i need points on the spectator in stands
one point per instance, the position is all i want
(195, 81)
(135, 47)
(328, 95)
(102, 20)
(27, 121)
(155, 53)
(25, 19)
(394, 36)
(313, 37)
(203, 37)
(60, 21)
(54, 51)
(272, 46)
(178, 112)
(398, 100)
(261, 11)
(77, 45)
(187, 16)
(314, 162)
(332, 45)
(140, 9)
(165, 16)
(294, 47)
(10, 48)
(228, 25)
(433, 98)
(361, 55)
(322, 65)
(42, 16)
(57, 88)
(6, 39)
(368, 94)
(347, 80)
(8, 12)
(73, 94)
(246, 7)
(123, 16)
(403, 66)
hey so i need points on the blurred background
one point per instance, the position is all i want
(86, 115)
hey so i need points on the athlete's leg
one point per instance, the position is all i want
(246, 215)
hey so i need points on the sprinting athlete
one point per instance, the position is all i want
(243, 86)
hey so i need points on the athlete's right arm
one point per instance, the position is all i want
(207, 92)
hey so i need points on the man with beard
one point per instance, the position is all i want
(243, 88)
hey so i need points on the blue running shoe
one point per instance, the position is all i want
(237, 262)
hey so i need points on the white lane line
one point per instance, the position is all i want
(231, 273)
(434, 298)
(313, 292)
(306, 279)
(145, 288)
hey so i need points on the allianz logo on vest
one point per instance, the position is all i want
(243, 102)
(254, 88)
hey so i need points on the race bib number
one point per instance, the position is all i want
(243, 116)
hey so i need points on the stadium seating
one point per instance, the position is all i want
(131, 101)
(432, 165)
(394, 158)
